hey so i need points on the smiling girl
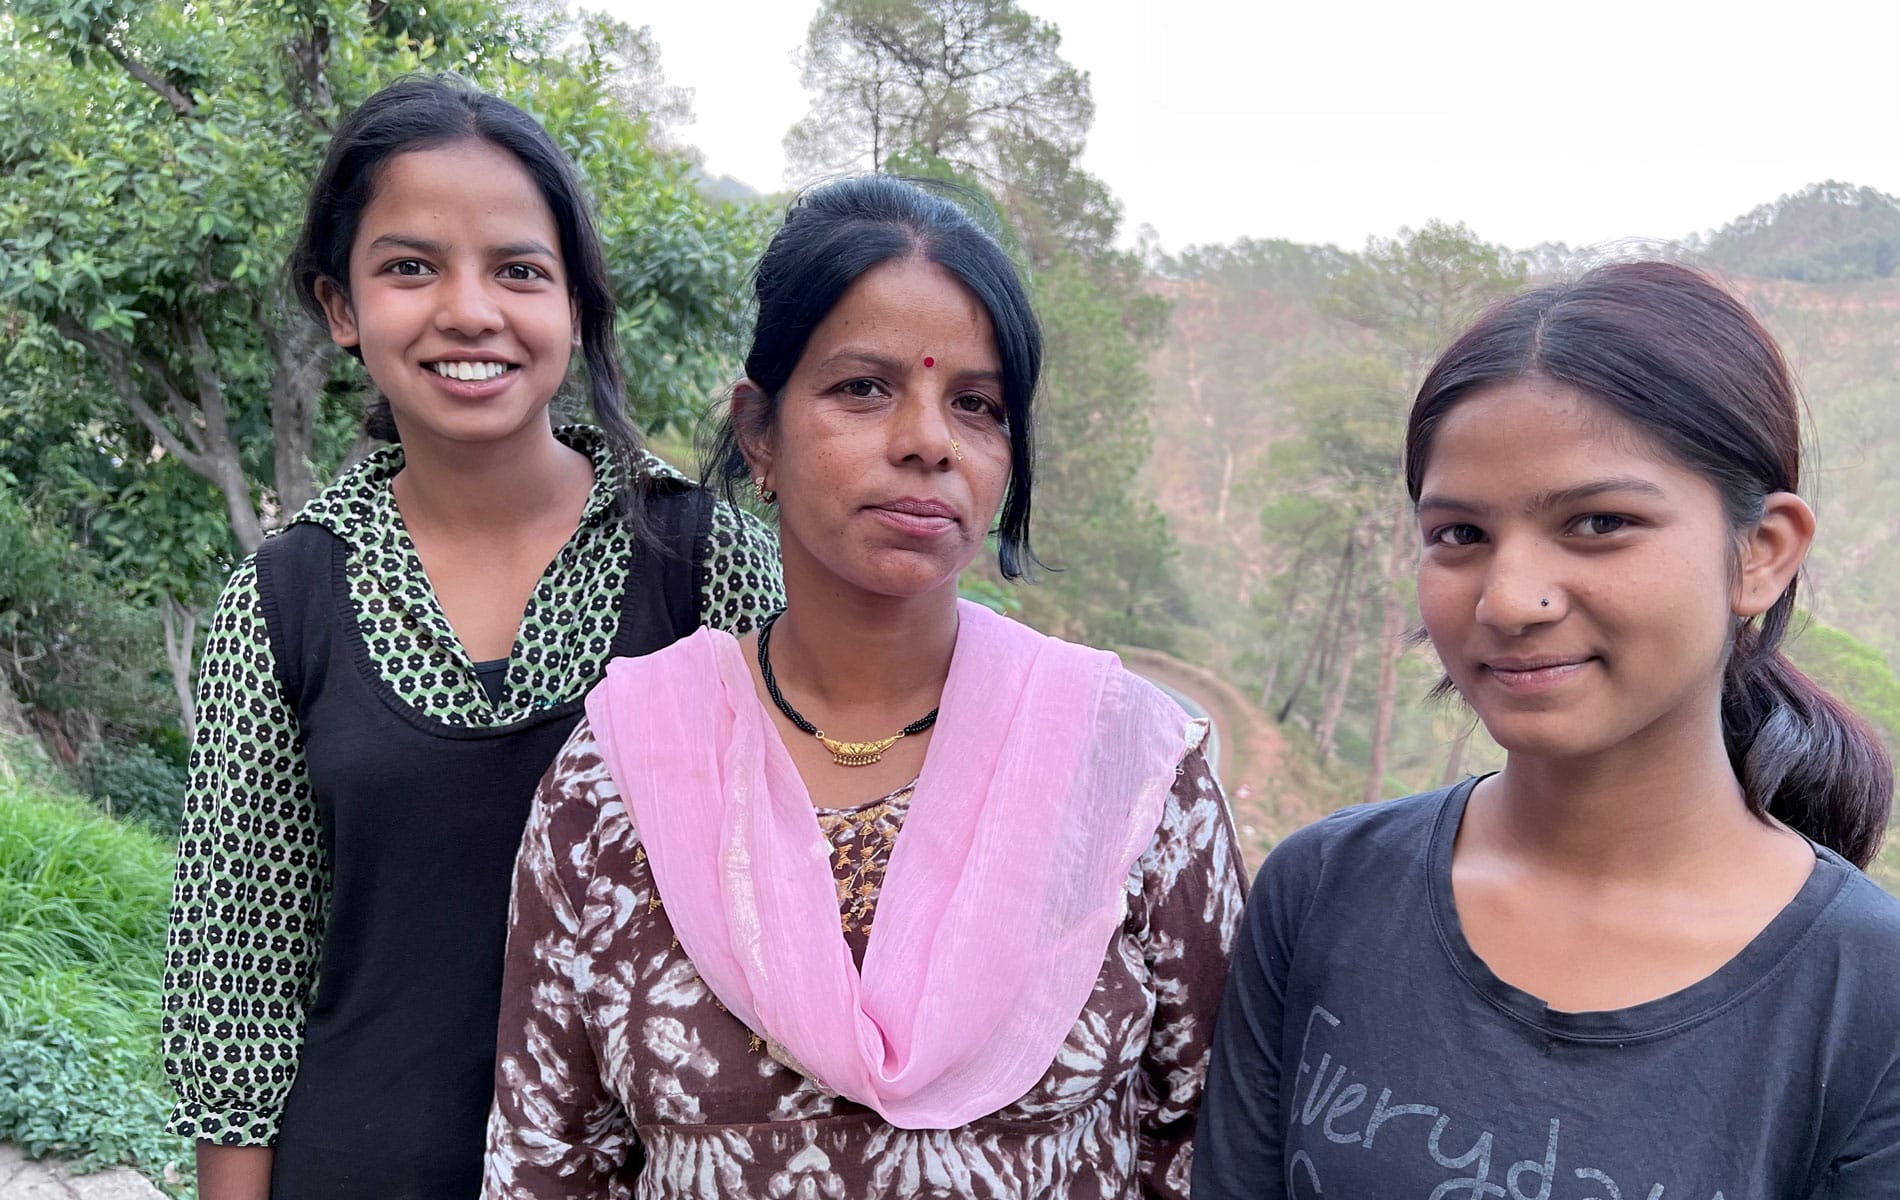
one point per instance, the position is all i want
(1639, 961)
(386, 679)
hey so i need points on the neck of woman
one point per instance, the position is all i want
(850, 652)
(489, 487)
(1649, 807)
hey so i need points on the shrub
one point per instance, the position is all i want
(134, 782)
(83, 903)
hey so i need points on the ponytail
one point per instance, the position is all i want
(1802, 756)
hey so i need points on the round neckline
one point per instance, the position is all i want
(1751, 968)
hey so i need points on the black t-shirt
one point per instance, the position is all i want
(1365, 1052)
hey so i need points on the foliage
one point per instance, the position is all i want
(1262, 265)
(1114, 581)
(972, 82)
(1415, 291)
(82, 931)
(1824, 233)
(135, 783)
(71, 647)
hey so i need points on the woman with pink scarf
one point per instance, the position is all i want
(696, 1003)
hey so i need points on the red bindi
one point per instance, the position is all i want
(929, 361)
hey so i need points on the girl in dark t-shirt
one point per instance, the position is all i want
(1640, 961)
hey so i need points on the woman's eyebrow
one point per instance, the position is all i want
(1555, 498)
(864, 358)
(1565, 497)
(405, 241)
(527, 249)
(421, 245)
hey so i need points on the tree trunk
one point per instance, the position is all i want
(1283, 625)
(302, 353)
(1226, 485)
(1319, 635)
(1391, 645)
(1335, 702)
(246, 525)
(181, 635)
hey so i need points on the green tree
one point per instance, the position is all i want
(970, 82)
(1414, 293)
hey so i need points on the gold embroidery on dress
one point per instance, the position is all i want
(861, 840)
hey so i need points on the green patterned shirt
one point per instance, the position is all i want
(251, 891)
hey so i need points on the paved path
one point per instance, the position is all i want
(48, 1179)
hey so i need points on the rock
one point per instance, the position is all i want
(50, 1179)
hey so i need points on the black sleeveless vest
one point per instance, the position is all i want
(421, 822)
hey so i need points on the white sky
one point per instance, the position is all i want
(1581, 122)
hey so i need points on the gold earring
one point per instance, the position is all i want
(765, 494)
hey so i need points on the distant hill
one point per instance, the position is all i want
(725, 188)
(1826, 233)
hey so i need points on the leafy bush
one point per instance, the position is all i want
(70, 645)
(51, 1108)
(134, 782)
(83, 903)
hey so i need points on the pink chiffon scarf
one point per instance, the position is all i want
(1044, 782)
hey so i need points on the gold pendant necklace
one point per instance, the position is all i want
(856, 754)
(845, 754)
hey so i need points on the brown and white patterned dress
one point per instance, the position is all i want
(620, 1074)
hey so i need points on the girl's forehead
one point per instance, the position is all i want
(1530, 437)
(1537, 416)
(471, 187)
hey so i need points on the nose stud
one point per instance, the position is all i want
(958, 451)
(1543, 604)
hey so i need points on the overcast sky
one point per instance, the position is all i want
(1574, 122)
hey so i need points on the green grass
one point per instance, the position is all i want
(83, 902)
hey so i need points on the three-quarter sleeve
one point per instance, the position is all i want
(1193, 890)
(249, 893)
(740, 583)
(555, 1130)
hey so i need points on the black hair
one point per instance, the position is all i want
(425, 112)
(832, 235)
(1671, 351)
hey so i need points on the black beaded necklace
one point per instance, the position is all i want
(845, 754)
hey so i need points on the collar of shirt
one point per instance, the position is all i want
(360, 508)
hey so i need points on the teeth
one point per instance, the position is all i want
(469, 370)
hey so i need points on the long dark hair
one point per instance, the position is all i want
(1672, 352)
(832, 235)
(426, 112)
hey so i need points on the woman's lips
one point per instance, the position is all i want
(918, 517)
(1527, 676)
